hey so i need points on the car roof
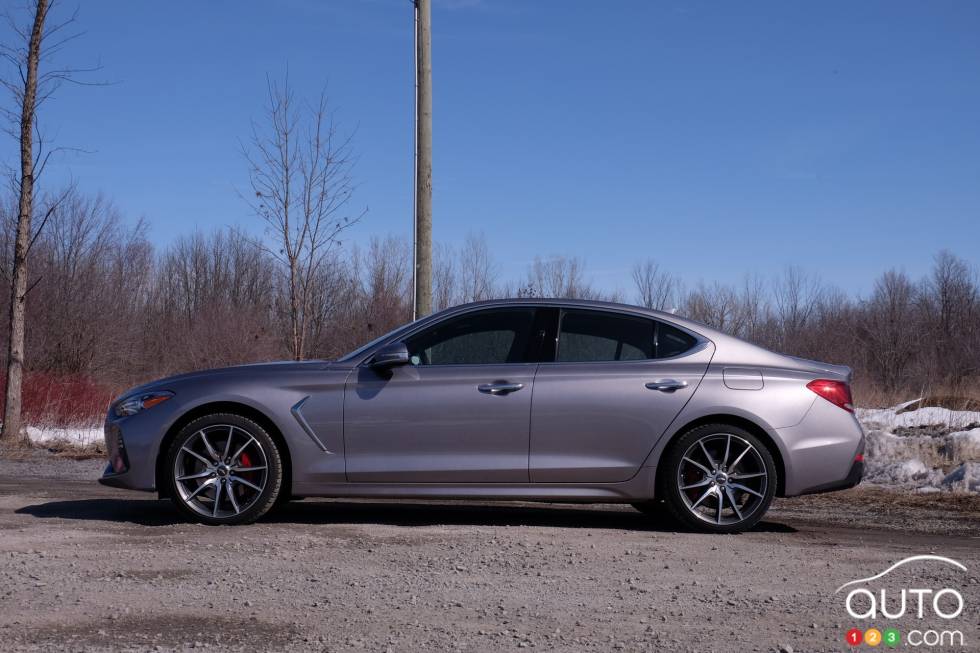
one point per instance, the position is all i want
(728, 348)
(692, 325)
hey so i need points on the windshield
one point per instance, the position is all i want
(363, 348)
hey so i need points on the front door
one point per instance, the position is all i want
(459, 413)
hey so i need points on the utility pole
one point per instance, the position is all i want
(422, 304)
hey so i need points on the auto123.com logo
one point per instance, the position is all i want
(883, 611)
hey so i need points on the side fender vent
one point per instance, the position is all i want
(297, 411)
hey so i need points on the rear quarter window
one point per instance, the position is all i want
(671, 341)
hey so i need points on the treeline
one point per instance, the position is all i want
(108, 306)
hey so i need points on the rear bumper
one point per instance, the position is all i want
(853, 478)
(821, 452)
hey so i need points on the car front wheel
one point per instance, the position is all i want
(224, 469)
(718, 478)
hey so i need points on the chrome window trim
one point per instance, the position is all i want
(428, 321)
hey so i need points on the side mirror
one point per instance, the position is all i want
(390, 356)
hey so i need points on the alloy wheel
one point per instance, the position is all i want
(722, 479)
(220, 471)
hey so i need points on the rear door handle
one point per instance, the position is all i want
(499, 388)
(666, 385)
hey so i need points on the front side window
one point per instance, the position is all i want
(594, 336)
(490, 337)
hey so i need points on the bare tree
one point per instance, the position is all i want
(92, 273)
(68, 293)
(559, 276)
(716, 305)
(755, 313)
(29, 88)
(300, 175)
(950, 291)
(656, 288)
(888, 329)
(386, 279)
(796, 298)
(444, 280)
(477, 270)
(950, 304)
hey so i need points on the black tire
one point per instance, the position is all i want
(715, 437)
(192, 500)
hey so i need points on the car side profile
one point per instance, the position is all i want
(530, 399)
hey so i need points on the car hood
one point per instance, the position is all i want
(250, 369)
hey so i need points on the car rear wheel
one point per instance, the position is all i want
(718, 478)
(224, 469)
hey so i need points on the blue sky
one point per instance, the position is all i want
(716, 138)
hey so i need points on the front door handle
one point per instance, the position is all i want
(666, 385)
(499, 388)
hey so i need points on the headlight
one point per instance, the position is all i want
(136, 403)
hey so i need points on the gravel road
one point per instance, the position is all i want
(83, 567)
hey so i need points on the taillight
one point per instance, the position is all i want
(836, 392)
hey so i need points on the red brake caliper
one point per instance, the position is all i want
(246, 462)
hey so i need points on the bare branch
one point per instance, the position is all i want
(300, 179)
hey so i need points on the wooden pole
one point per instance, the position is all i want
(423, 161)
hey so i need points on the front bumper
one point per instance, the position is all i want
(132, 445)
(111, 478)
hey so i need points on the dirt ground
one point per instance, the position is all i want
(84, 567)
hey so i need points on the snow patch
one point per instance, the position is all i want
(965, 478)
(80, 436)
(935, 449)
(909, 473)
(928, 416)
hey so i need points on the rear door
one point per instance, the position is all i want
(616, 383)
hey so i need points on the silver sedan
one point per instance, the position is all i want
(550, 400)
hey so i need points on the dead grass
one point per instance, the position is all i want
(959, 396)
(950, 402)
(17, 449)
(73, 450)
(60, 448)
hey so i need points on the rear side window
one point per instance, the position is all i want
(588, 336)
(594, 336)
(489, 337)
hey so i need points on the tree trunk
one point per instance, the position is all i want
(294, 313)
(18, 287)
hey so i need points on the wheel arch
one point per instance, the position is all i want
(211, 408)
(741, 422)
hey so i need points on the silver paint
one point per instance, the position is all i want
(571, 432)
